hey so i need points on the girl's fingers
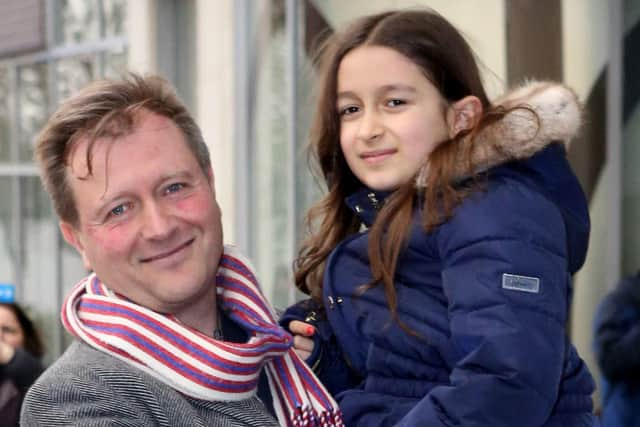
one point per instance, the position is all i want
(304, 355)
(301, 328)
(302, 343)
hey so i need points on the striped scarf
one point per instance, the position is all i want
(200, 366)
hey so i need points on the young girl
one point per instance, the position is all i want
(441, 261)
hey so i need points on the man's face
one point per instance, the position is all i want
(149, 224)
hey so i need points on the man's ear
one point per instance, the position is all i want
(212, 180)
(71, 236)
(464, 115)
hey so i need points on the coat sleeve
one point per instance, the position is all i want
(617, 331)
(327, 359)
(506, 280)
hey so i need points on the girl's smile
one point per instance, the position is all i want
(377, 156)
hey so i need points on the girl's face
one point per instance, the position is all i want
(391, 116)
(10, 329)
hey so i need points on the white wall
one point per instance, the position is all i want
(141, 34)
(585, 41)
(214, 98)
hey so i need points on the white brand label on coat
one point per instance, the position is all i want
(521, 283)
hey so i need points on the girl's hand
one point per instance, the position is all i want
(302, 343)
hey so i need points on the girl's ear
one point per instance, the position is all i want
(464, 115)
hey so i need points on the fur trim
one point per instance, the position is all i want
(521, 133)
(557, 107)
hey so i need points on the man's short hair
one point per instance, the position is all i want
(107, 108)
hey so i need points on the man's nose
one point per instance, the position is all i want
(371, 126)
(157, 221)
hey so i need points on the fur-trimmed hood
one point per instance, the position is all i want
(550, 113)
(521, 133)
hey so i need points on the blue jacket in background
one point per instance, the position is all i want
(617, 348)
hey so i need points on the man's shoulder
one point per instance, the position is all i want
(85, 383)
(82, 365)
(79, 357)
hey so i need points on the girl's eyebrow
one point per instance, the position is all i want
(402, 87)
(381, 89)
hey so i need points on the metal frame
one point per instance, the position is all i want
(291, 27)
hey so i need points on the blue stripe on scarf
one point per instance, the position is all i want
(244, 386)
(189, 348)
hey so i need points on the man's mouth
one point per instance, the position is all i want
(168, 253)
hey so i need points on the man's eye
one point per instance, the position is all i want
(118, 210)
(172, 188)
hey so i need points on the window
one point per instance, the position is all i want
(71, 43)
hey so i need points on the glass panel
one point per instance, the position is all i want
(5, 133)
(115, 64)
(39, 267)
(33, 100)
(76, 21)
(114, 17)
(72, 74)
(271, 230)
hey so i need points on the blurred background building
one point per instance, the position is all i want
(245, 69)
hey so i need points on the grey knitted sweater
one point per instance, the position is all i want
(86, 387)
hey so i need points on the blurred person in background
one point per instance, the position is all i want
(20, 365)
(617, 348)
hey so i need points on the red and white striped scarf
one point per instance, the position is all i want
(200, 366)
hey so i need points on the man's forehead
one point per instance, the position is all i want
(89, 149)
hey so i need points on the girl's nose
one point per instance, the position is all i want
(370, 126)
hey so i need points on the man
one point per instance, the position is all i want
(131, 181)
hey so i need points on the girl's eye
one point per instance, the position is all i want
(395, 102)
(348, 110)
(172, 188)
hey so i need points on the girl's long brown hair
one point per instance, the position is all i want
(446, 59)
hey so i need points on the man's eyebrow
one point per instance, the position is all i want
(179, 174)
(183, 174)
